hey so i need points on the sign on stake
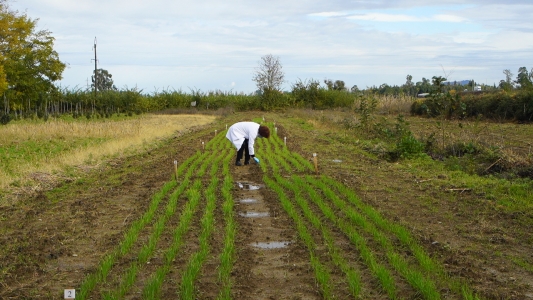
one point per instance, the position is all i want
(176, 169)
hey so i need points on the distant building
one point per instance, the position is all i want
(460, 82)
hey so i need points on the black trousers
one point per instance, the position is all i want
(244, 150)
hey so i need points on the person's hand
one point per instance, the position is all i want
(256, 160)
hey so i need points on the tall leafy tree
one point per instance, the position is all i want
(103, 80)
(438, 82)
(30, 64)
(338, 85)
(409, 86)
(4, 25)
(523, 78)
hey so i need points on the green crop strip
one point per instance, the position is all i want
(195, 263)
(357, 222)
(421, 276)
(321, 273)
(90, 282)
(189, 166)
(153, 287)
(353, 278)
(148, 249)
(227, 257)
(429, 265)
(299, 163)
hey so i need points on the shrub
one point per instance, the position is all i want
(408, 146)
(4, 119)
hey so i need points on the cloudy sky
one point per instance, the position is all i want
(212, 45)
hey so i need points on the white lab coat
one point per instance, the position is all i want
(238, 132)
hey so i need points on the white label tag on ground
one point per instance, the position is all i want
(70, 294)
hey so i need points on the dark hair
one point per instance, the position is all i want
(264, 131)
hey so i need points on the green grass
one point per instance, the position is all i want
(33, 151)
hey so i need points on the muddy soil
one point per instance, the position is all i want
(271, 263)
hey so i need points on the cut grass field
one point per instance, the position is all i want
(30, 149)
(362, 228)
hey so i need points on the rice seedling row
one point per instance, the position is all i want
(360, 223)
(194, 167)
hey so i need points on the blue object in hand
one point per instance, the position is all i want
(256, 159)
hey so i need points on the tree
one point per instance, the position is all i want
(423, 86)
(523, 78)
(103, 80)
(269, 77)
(29, 62)
(507, 84)
(4, 25)
(508, 76)
(409, 86)
(438, 82)
(338, 85)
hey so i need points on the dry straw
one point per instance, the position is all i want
(118, 137)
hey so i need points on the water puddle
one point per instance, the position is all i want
(248, 201)
(248, 186)
(271, 245)
(252, 214)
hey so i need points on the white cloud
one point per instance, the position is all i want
(213, 45)
(380, 17)
(448, 18)
(329, 14)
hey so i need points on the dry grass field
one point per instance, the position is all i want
(37, 152)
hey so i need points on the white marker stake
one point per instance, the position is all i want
(203, 146)
(215, 132)
(276, 129)
(226, 126)
(285, 140)
(315, 161)
(176, 169)
(70, 294)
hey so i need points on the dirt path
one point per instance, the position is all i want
(271, 265)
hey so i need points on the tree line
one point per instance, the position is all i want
(30, 68)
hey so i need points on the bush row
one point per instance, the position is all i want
(501, 105)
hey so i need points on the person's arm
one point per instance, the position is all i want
(252, 135)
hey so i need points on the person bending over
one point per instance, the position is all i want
(242, 135)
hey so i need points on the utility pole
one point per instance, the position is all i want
(95, 73)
